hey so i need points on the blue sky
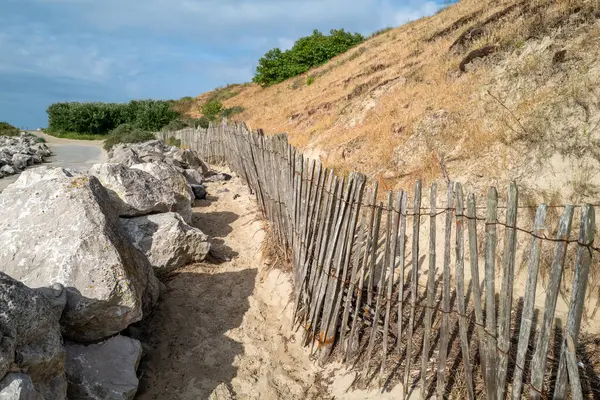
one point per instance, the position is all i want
(118, 50)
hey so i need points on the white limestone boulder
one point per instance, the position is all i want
(167, 240)
(57, 228)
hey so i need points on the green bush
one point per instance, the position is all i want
(201, 122)
(212, 109)
(127, 133)
(101, 118)
(7, 129)
(228, 112)
(308, 52)
(175, 125)
(172, 141)
(224, 93)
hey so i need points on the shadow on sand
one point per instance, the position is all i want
(188, 354)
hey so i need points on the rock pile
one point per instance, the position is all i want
(20, 152)
(79, 262)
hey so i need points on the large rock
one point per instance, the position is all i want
(199, 191)
(176, 182)
(21, 161)
(37, 174)
(56, 228)
(103, 371)
(157, 151)
(18, 387)
(30, 337)
(19, 152)
(193, 176)
(187, 159)
(167, 241)
(124, 154)
(134, 192)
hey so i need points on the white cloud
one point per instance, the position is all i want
(224, 19)
(41, 53)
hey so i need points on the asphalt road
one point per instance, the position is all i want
(76, 154)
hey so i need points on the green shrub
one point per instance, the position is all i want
(101, 118)
(224, 93)
(126, 133)
(175, 125)
(7, 129)
(228, 112)
(212, 109)
(308, 52)
(309, 80)
(172, 141)
(201, 122)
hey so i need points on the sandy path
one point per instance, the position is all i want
(76, 154)
(217, 322)
(224, 327)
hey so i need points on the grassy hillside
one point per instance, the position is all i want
(7, 129)
(483, 93)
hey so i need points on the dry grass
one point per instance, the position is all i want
(274, 255)
(503, 117)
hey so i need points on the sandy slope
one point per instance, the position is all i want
(224, 327)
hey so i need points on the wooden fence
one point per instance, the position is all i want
(364, 294)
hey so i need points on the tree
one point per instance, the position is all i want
(308, 52)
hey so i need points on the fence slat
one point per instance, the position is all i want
(341, 198)
(380, 285)
(353, 282)
(571, 361)
(460, 290)
(529, 301)
(538, 364)
(402, 258)
(330, 330)
(445, 328)
(392, 266)
(333, 277)
(431, 275)
(315, 273)
(490, 294)
(353, 339)
(506, 294)
(372, 261)
(580, 281)
(413, 282)
(315, 192)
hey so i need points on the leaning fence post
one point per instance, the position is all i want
(476, 283)
(430, 289)
(413, 281)
(580, 281)
(509, 260)
(444, 332)
(529, 302)
(538, 364)
(490, 293)
(392, 265)
(460, 289)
